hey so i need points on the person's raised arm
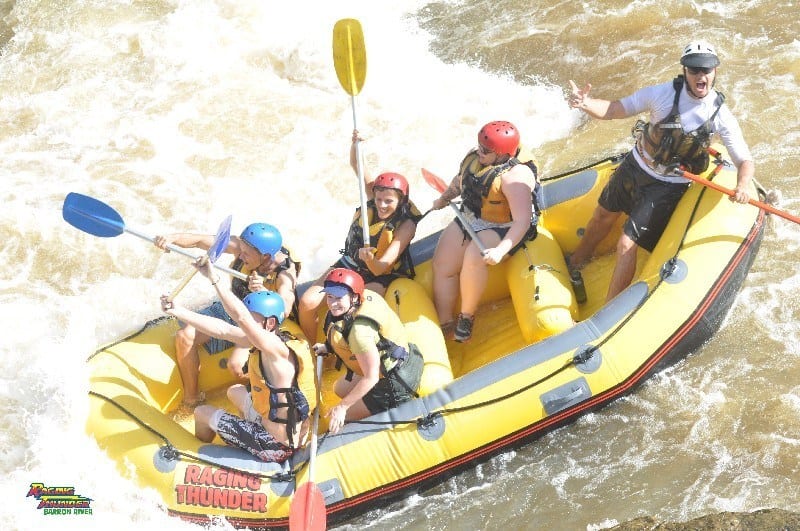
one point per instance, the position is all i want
(256, 334)
(594, 107)
(368, 180)
(186, 240)
(205, 324)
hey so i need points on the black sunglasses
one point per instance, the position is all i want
(484, 150)
(697, 70)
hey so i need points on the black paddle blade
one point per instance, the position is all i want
(91, 215)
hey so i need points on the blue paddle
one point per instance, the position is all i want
(221, 241)
(97, 218)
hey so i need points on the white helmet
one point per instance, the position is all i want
(699, 54)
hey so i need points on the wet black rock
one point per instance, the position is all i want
(762, 520)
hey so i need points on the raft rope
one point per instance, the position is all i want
(169, 452)
(613, 159)
(148, 324)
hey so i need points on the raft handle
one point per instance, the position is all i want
(565, 396)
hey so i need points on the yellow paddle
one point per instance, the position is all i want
(307, 510)
(350, 61)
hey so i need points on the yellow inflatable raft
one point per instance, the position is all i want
(528, 369)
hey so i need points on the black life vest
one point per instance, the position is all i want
(481, 193)
(298, 399)
(381, 234)
(670, 146)
(480, 188)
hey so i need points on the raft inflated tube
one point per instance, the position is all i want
(540, 288)
(416, 310)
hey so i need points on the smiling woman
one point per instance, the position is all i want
(391, 223)
(498, 198)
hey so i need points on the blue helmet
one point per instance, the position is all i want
(265, 238)
(267, 304)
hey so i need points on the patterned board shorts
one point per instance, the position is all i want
(250, 436)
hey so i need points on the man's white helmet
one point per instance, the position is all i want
(699, 54)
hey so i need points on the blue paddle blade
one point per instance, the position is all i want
(221, 240)
(91, 215)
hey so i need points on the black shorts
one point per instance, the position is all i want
(648, 202)
(533, 231)
(390, 391)
(501, 231)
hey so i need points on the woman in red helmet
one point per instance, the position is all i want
(381, 368)
(498, 199)
(392, 219)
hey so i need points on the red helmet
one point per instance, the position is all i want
(342, 277)
(393, 181)
(500, 137)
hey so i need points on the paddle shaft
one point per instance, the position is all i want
(467, 227)
(184, 252)
(312, 448)
(182, 285)
(362, 188)
(221, 240)
(437, 184)
(763, 206)
(307, 511)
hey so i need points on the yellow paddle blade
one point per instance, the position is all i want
(349, 55)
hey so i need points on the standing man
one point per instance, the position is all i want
(684, 113)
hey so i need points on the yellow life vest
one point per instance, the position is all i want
(299, 400)
(481, 190)
(381, 235)
(240, 288)
(393, 342)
